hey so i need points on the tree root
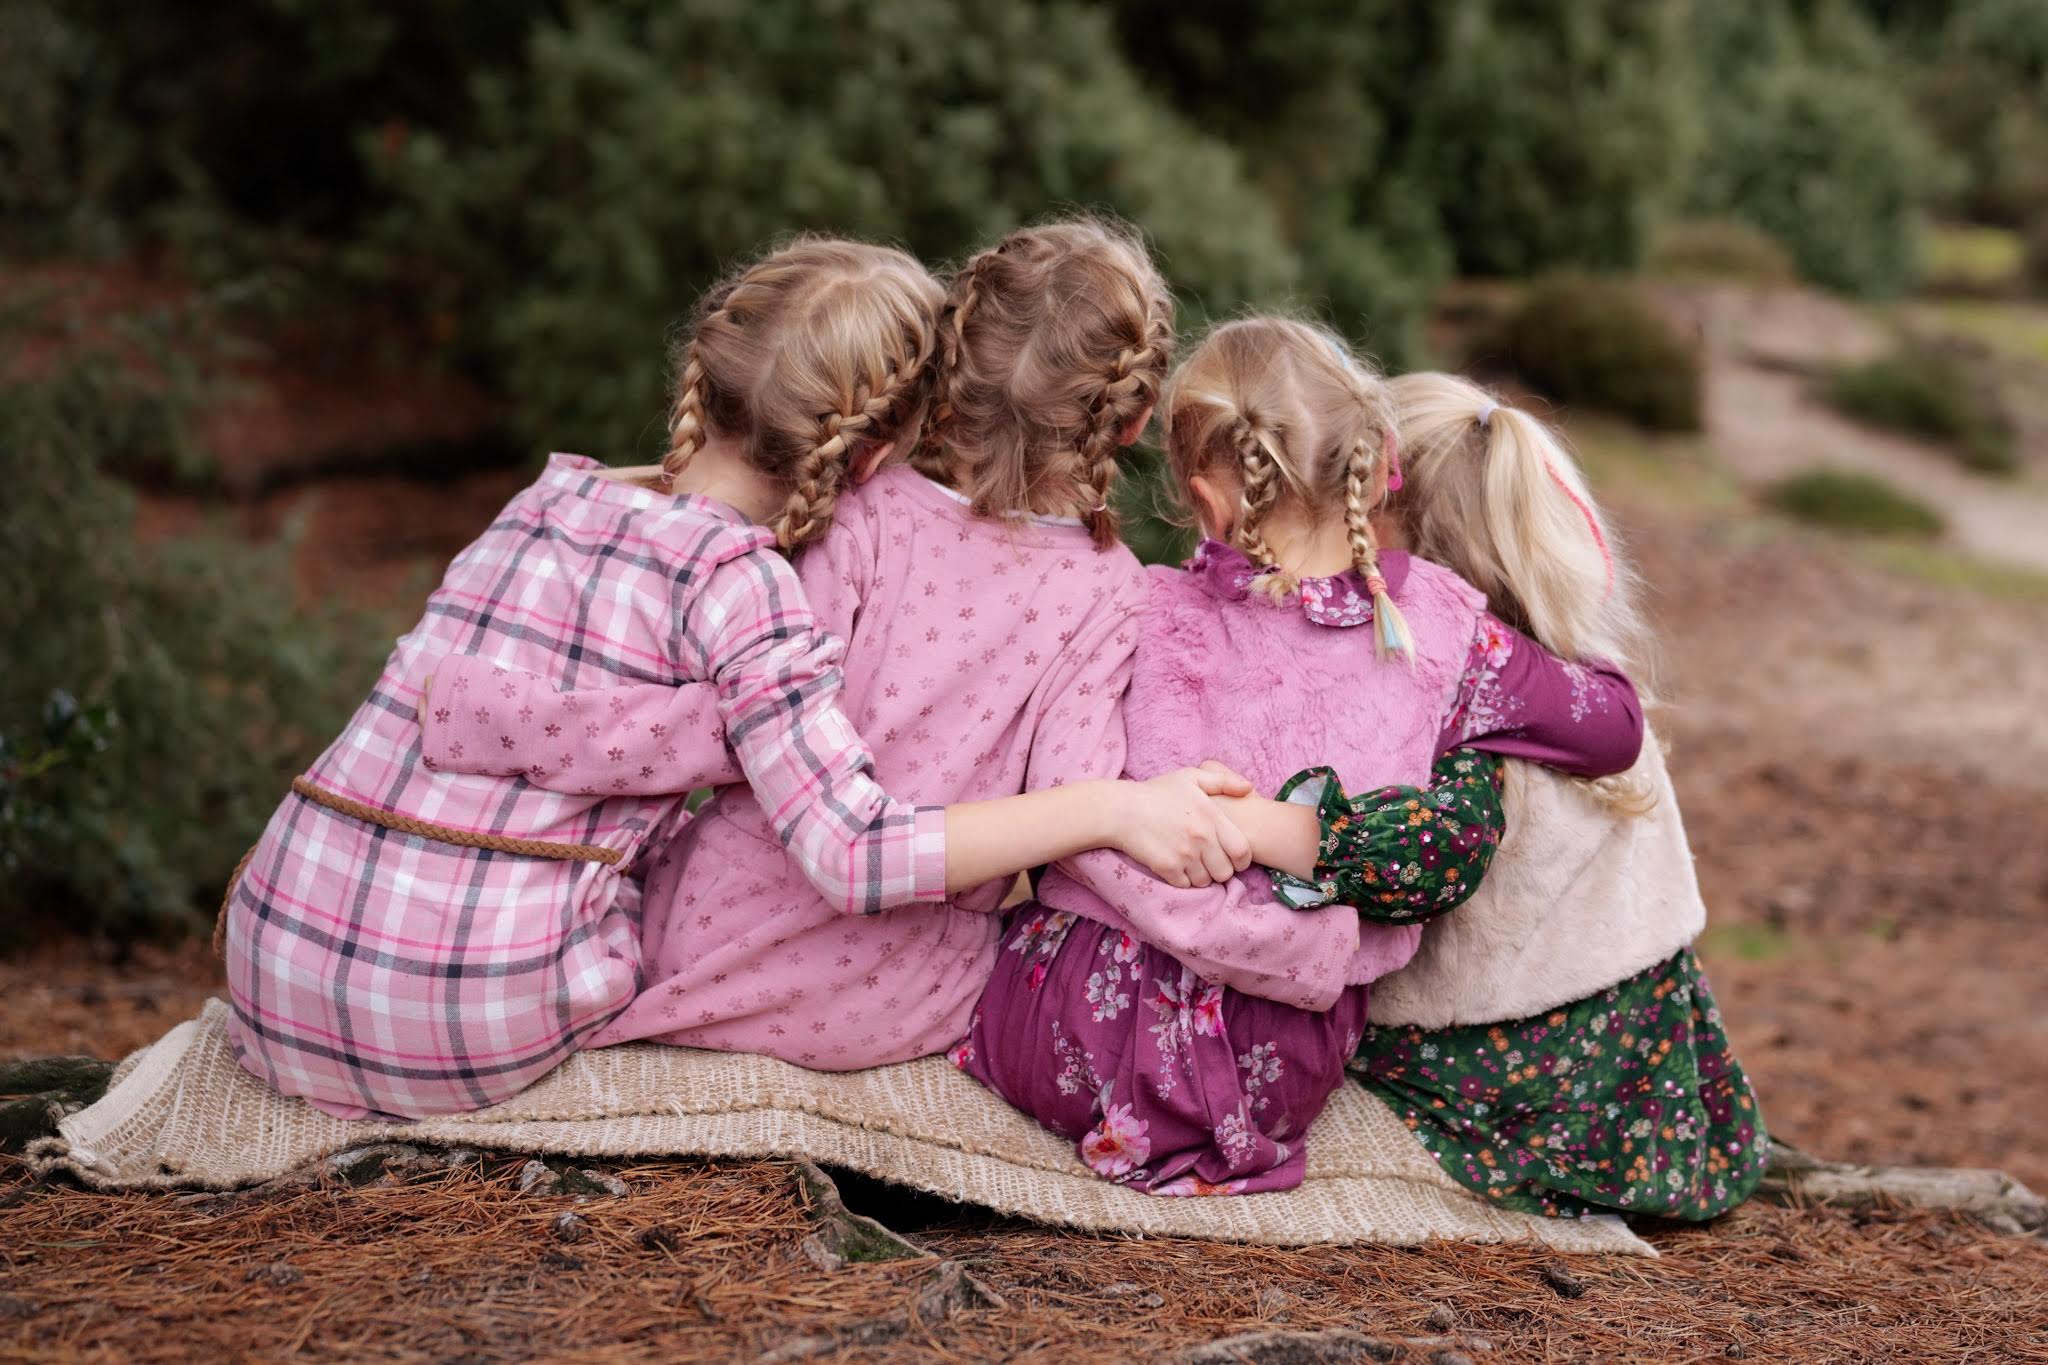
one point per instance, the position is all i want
(1991, 1197)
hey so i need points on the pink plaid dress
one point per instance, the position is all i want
(373, 972)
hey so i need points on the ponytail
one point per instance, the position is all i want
(1546, 534)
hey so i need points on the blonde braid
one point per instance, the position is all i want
(1133, 386)
(686, 418)
(1390, 628)
(930, 458)
(820, 474)
(1260, 473)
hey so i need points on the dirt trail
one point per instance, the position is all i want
(1765, 422)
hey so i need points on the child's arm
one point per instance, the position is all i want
(1398, 855)
(636, 739)
(1519, 700)
(650, 739)
(1173, 824)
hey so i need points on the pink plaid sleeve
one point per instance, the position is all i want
(778, 685)
(637, 739)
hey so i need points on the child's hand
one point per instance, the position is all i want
(1171, 826)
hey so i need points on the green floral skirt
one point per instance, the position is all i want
(1628, 1101)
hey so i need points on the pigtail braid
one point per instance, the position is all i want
(1133, 386)
(1260, 472)
(815, 481)
(1390, 634)
(930, 458)
(686, 418)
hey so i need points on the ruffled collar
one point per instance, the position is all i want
(1339, 600)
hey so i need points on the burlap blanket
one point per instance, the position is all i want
(181, 1114)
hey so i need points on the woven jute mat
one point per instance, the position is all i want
(182, 1114)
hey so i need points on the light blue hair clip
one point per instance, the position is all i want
(1486, 411)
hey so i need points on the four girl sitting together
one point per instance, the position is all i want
(965, 675)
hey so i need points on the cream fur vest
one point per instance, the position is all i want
(1578, 898)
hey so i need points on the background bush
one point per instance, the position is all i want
(1720, 249)
(156, 699)
(1844, 500)
(617, 134)
(1930, 391)
(1806, 136)
(1594, 342)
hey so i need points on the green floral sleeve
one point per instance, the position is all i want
(1402, 854)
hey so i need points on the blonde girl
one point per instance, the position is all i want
(1574, 958)
(410, 940)
(989, 615)
(1186, 1040)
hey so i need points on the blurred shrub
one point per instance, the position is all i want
(229, 129)
(2034, 262)
(1437, 132)
(637, 148)
(1806, 136)
(155, 700)
(1720, 249)
(1933, 392)
(1844, 500)
(1594, 342)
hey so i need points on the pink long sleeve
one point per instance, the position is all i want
(644, 739)
(1227, 931)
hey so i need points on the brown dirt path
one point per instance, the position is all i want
(1763, 350)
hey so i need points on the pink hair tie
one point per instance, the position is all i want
(1391, 448)
(1592, 522)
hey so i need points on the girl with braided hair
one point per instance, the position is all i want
(414, 935)
(1186, 1038)
(990, 617)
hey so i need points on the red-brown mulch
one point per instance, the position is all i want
(703, 1261)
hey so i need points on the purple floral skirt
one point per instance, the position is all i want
(1165, 1082)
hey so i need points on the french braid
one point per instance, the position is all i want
(1052, 344)
(805, 358)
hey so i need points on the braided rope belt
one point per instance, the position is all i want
(425, 829)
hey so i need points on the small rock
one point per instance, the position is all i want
(14, 1306)
(818, 1254)
(659, 1238)
(587, 1182)
(277, 1273)
(1449, 1358)
(1736, 1351)
(1566, 1284)
(569, 1227)
(536, 1178)
(1150, 1301)
(1274, 1300)
(1441, 1318)
(560, 1260)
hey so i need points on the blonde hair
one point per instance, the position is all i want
(810, 354)
(1051, 343)
(1302, 423)
(1494, 494)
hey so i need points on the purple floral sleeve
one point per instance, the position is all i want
(1519, 700)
